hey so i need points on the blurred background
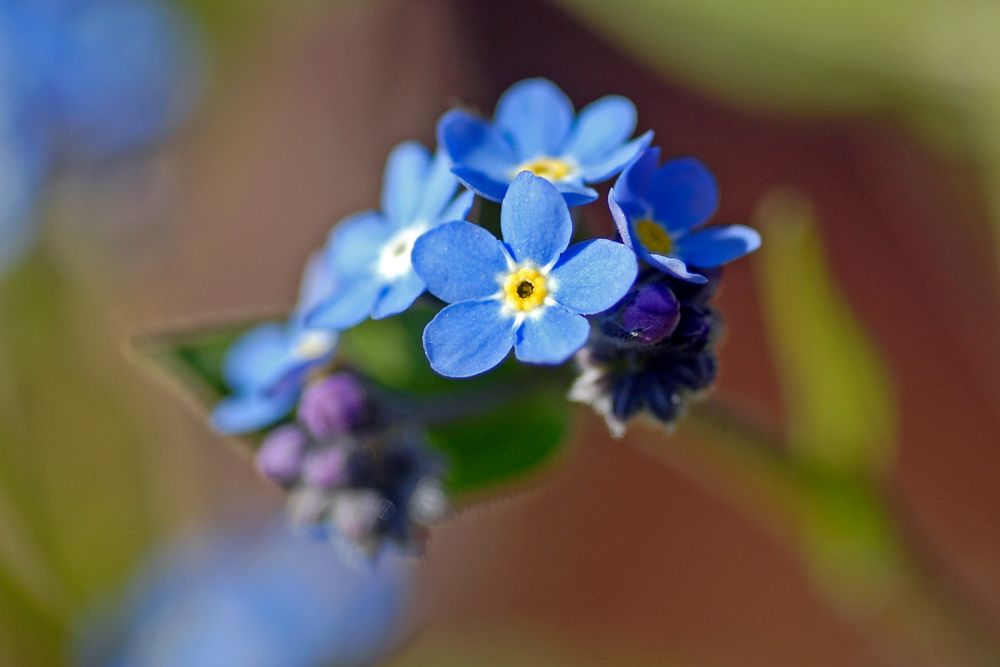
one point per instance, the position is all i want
(164, 164)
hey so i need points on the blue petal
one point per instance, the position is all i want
(257, 359)
(485, 186)
(355, 244)
(535, 220)
(594, 275)
(245, 414)
(398, 296)
(350, 303)
(403, 182)
(317, 284)
(623, 221)
(459, 207)
(603, 168)
(601, 127)
(472, 142)
(439, 188)
(633, 184)
(459, 261)
(552, 337)
(683, 193)
(468, 338)
(575, 194)
(537, 116)
(714, 246)
(676, 268)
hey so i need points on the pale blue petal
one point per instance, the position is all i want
(403, 182)
(468, 338)
(351, 303)
(606, 166)
(535, 220)
(594, 275)
(683, 193)
(471, 142)
(355, 244)
(398, 296)
(537, 116)
(438, 189)
(257, 359)
(248, 413)
(552, 337)
(624, 223)
(485, 186)
(676, 268)
(633, 183)
(601, 127)
(316, 285)
(714, 246)
(459, 261)
(576, 194)
(459, 208)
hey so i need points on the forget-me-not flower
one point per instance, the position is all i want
(656, 209)
(535, 129)
(369, 253)
(528, 292)
(268, 367)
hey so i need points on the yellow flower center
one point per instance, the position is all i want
(549, 168)
(654, 237)
(525, 289)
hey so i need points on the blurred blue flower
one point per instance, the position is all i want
(529, 292)
(535, 129)
(369, 253)
(264, 598)
(83, 80)
(268, 367)
(656, 208)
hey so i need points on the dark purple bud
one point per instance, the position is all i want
(325, 467)
(652, 314)
(280, 455)
(332, 406)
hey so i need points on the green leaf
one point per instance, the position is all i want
(838, 397)
(516, 416)
(494, 429)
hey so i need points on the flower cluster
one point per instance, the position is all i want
(634, 310)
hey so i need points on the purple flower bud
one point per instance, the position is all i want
(652, 314)
(332, 406)
(326, 467)
(280, 455)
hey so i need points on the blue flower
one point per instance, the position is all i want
(268, 367)
(529, 292)
(656, 209)
(369, 253)
(534, 129)
(264, 596)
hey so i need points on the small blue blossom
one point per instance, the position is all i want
(657, 208)
(266, 596)
(535, 129)
(528, 292)
(369, 253)
(268, 367)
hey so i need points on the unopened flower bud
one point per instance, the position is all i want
(281, 454)
(332, 406)
(651, 314)
(325, 467)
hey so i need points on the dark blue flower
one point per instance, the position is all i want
(652, 354)
(369, 253)
(535, 129)
(657, 208)
(268, 367)
(528, 292)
